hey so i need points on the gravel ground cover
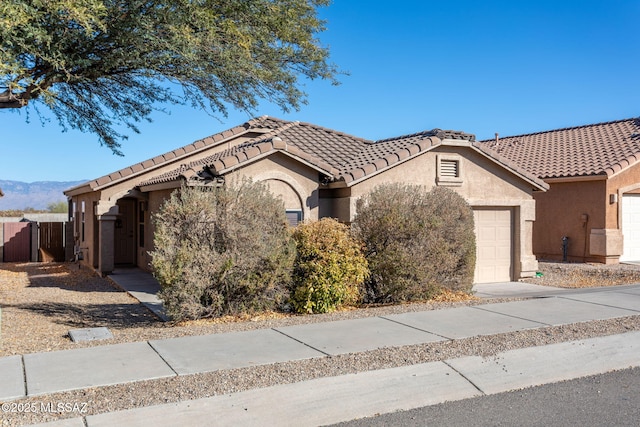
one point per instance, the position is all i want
(576, 275)
(41, 302)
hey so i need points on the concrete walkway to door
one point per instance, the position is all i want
(142, 286)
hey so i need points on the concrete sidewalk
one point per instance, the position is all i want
(331, 400)
(32, 374)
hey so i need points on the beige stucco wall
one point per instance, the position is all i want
(482, 183)
(571, 209)
(295, 183)
(482, 180)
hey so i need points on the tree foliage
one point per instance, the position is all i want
(222, 251)
(58, 207)
(417, 242)
(98, 64)
(329, 268)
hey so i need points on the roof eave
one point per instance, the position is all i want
(78, 189)
(169, 162)
(167, 185)
(578, 178)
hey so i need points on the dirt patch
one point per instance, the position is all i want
(40, 302)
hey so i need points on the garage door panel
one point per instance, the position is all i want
(494, 244)
(504, 254)
(631, 227)
(504, 234)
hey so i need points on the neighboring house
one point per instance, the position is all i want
(594, 198)
(317, 172)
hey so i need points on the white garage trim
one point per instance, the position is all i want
(494, 244)
(630, 227)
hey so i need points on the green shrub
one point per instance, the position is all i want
(329, 267)
(417, 242)
(222, 251)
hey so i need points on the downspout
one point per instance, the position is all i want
(585, 221)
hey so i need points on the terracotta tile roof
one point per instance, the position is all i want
(590, 150)
(341, 157)
(260, 124)
(320, 147)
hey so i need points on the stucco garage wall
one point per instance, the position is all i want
(559, 212)
(482, 180)
(483, 184)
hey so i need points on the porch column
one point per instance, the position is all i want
(106, 212)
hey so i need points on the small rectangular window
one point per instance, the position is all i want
(74, 218)
(294, 217)
(82, 213)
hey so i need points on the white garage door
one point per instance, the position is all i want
(631, 227)
(494, 245)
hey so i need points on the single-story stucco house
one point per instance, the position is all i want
(594, 197)
(318, 172)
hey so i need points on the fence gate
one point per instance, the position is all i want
(17, 241)
(51, 238)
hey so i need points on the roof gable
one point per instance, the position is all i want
(591, 150)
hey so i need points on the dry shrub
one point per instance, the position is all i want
(222, 251)
(416, 241)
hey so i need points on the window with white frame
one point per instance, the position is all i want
(82, 213)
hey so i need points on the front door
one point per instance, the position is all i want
(124, 237)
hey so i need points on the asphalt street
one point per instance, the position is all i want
(611, 399)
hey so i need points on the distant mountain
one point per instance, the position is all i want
(37, 195)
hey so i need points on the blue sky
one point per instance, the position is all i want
(483, 67)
